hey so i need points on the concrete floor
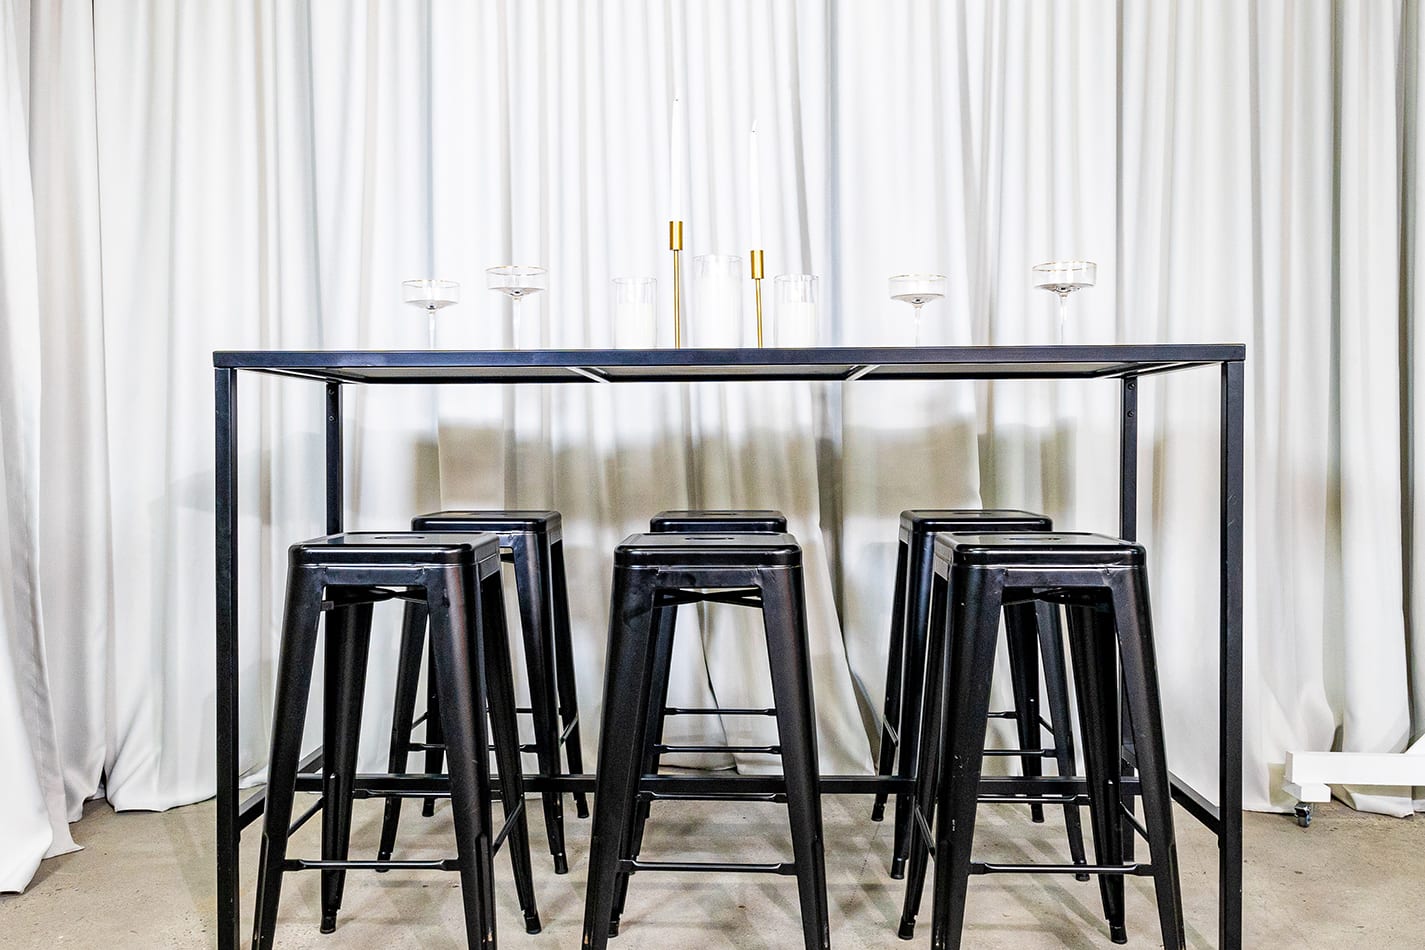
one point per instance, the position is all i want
(146, 880)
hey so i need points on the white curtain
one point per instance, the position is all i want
(178, 178)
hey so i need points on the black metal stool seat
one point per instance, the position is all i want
(653, 574)
(1031, 631)
(695, 521)
(533, 542)
(453, 580)
(1103, 584)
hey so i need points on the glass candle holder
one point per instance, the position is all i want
(635, 312)
(717, 301)
(795, 313)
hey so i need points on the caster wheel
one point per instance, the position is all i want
(1303, 814)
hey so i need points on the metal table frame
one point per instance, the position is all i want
(1125, 363)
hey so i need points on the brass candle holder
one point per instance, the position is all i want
(755, 257)
(675, 244)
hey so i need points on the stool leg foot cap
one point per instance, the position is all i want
(561, 864)
(907, 930)
(428, 809)
(383, 856)
(878, 809)
(898, 868)
(328, 923)
(532, 924)
(1081, 877)
(1118, 933)
(1036, 814)
(581, 806)
(613, 927)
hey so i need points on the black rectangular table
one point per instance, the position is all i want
(1123, 363)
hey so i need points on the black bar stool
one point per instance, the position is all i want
(688, 521)
(533, 542)
(653, 574)
(1104, 583)
(905, 669)
(455, 581)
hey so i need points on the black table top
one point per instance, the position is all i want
(769, 364)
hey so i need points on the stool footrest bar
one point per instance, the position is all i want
(1135, 870)
(303, 864)
(746, 749)
(715, 711)
(786, 868)
(771, 797)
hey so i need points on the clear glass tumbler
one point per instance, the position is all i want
(795, 317)
(635, 312)
(717, 301)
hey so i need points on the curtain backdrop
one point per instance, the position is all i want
(179, 178)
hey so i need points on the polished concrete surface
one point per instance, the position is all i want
(146, 880)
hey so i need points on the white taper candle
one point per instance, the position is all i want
(754, 192)
(675, 162)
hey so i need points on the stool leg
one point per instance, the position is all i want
(531, 572)
(294, 679)
(568, 686)
(348, 646)
(1140, 675)
(625, 723)
(1091, 638)
(920, 568)
(408, 676)
(500, 694)
(891, 710)
(972, 633)
(1056, 688)
(931, 757)
(435, 733)
(664, 621)
(1022, 638)
(456, 651)
(1127, 756)
(788, 656)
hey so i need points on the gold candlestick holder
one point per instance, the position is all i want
(756, 260)
(675, 244)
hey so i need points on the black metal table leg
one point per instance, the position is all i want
(225, 502)
(1229, 843)
(335, 485)
(1128, 531)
